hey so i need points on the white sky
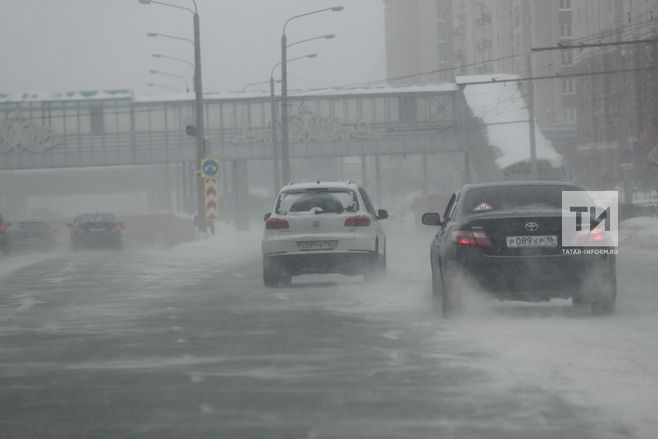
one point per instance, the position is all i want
(65, 45)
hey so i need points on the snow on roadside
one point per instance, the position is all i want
(639, 233)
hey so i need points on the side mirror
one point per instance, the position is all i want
(69, 225)
(432, 219)
(382, 214)
(267, 216)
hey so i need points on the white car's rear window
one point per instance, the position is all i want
(317, 201)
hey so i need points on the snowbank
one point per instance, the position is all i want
(502, 109)
(639, 233)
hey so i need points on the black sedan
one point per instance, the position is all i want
(96, 230)
(31, 234)
(507, 239)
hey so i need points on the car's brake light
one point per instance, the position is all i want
(116, 228)
(77, 228)
(473, 238)
(595, 236)
(276, 224)
(2, 228)
(358, 221)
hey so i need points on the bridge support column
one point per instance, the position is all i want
(240, 189)
(178, 172)
(378, 180)
(341, 168)
(167, 188)
(426, 182)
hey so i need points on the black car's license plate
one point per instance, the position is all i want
(532, 241)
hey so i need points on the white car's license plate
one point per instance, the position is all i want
(98, 229)
(532, 241)
(317, 245)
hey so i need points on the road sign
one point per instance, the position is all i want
(212, 201)
(210, 168)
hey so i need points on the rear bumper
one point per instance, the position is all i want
(294, 264)
(97, 239)
(535, 277)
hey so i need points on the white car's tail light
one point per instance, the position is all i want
(358, 221)
(276, 224)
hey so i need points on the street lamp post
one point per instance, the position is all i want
(173, 58)
(198, 92)
(285, 141)
(275, 118)
(168, 87)
(171, 75)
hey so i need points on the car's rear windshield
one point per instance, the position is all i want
(513, 198)
(97, 218)
(317, 201)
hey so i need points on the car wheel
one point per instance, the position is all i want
(437, 291)
(451, 303)
(604, 296)
(271, 274)
(372, 267)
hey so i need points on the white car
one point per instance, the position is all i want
(322, 227)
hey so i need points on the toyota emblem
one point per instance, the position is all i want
(316, 223)
(531, 226)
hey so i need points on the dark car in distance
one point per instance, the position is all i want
(5, 244)
(31, 234)
(96, 230)
(507, 238)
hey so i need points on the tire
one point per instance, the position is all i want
(372, 268)
(451, 301)
(271, 274)
(604, 299)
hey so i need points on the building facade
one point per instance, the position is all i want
(473, 37)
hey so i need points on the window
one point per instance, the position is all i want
(442, 54)
(565, 31)
(567, 58)
(568, 87)
(408, 108)
(96, 120)
(570, 114)
(565, 5)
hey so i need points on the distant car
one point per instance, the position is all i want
(96, 230)
(5, 243)
(33, 234)
(322, 228)
(507, 238)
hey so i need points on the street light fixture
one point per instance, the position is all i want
(159, 55)
(275, 147)
(173, 37)
(198, 92)
(168, 87)
(158, 72)
(285, 141)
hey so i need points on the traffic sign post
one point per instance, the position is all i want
(210, 171)
(210, 168)
(212, 200)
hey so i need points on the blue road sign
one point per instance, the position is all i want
(210, 168)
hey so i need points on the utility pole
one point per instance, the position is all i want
(275, 144)
(534, 172)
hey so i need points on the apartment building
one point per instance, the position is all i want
(469, 37)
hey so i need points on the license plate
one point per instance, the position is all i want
(98, 229)
(317, 245)
(531, 241)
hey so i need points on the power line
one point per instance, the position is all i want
(585, 45)
(555, 76)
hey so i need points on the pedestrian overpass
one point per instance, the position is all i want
(117, 128)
